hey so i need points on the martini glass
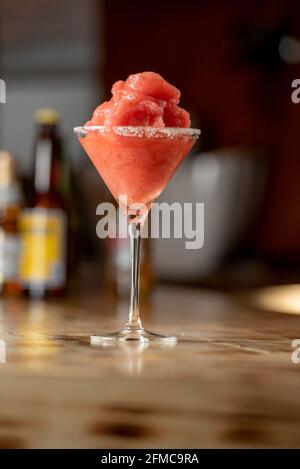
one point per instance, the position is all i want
(136, 164)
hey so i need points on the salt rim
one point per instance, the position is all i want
(150, 132)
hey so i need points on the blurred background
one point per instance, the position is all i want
(234, 63)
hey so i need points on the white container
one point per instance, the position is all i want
(230, 182)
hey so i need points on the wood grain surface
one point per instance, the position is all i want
(229, 382)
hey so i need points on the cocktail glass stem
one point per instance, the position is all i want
(134, 231)
(133, 329)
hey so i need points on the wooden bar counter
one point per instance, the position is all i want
(229, 382)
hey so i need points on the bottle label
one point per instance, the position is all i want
(9, 256)
(43, 248)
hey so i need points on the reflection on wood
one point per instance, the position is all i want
(228, 382)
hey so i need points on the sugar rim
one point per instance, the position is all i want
(131, 131)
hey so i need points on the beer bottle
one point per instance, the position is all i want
(43, 226)
(10, 207)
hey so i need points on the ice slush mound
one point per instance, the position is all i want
(144, 99)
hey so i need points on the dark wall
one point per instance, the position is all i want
(224, 56)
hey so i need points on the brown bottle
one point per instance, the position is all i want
(10, 207)
(43, 267)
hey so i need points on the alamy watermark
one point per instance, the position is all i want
(2, 91)
(295, 96)
(295, 357)
(177, 220)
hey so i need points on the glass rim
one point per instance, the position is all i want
(140, 131)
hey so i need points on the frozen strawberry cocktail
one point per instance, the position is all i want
(133, 139)
(136, 140)
(144, 99)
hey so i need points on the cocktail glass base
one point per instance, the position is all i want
(132, 334)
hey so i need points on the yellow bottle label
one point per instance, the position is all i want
(43, 247)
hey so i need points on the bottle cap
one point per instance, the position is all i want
(46, 116)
